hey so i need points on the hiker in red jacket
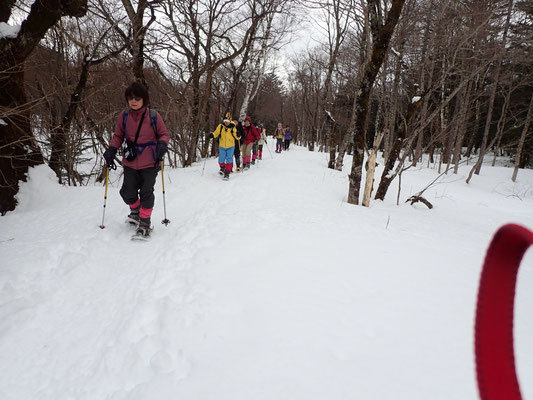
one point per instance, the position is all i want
(145, 138)
(251, 134)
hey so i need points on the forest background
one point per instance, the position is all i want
(450, 79)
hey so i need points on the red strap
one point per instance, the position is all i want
(496, 373)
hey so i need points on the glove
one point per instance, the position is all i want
(160, 150)
(109, 157)
(211, 136)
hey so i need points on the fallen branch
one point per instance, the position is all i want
(415, 199)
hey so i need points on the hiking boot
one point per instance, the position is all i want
(253, 162)
(134, 217)
(226, 176)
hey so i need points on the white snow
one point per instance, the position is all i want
(9, 31)
(395, 51)
(415, 99)
(269, 286)
(2, 122)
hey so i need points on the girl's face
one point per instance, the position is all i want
(135, 102)
(279, 125)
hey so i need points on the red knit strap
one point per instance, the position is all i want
(496, 373)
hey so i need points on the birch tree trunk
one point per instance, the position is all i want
(252, 85)
(369, 181)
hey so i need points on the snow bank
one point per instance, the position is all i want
(41, 191)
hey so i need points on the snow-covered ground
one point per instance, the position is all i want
(268, 286)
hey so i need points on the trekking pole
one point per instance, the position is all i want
(105, 195)
(165, 221)
(268, 149)
(206, 152)
(240, 155)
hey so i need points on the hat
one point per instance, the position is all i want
(227, 118)
(248, 118)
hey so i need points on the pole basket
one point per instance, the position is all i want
(165, 222)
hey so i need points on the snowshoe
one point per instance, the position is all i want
(143, 231)
(226, 176)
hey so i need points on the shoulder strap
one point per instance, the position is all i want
(153, 121)
(124, 117)
(139, 128)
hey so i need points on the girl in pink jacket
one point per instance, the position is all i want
(144, 139)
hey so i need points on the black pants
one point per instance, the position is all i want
(139, 183)
(237, 155)
(287, 144)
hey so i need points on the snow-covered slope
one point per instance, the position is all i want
(269, 286)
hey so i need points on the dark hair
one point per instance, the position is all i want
(138, 89)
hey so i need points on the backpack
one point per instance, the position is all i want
(153, 121)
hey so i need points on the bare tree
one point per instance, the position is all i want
(201, 37)
(477, 167)
(382, 34)
(525, 132)
(18, 150)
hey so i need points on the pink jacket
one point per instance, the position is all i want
(145, 155)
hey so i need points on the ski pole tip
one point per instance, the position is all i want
(102, 226)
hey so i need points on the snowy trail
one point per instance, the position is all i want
(268, 286)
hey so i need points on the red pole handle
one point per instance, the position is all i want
(495, 364)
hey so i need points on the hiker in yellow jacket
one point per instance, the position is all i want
(280, 136)
(226, 133)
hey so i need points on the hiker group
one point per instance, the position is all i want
(246, 139)
(143, 137)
